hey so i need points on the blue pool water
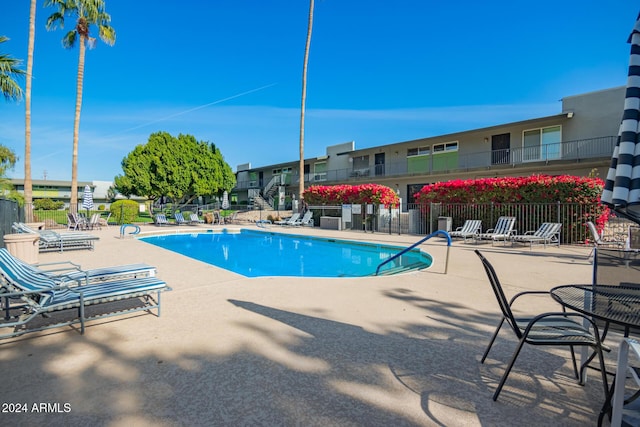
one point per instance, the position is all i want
(256, 254)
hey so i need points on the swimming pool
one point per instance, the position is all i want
(256, 254)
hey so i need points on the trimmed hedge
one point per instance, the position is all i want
(124, 211)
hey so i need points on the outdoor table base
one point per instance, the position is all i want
(616, 305)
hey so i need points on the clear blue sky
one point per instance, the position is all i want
(380, 72)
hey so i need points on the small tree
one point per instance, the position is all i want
(124, 211)
(180, 168)
(7, 161)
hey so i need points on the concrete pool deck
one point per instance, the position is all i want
(229, 350)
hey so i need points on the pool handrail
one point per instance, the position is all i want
(419, 242)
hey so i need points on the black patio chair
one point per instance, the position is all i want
(553, 329)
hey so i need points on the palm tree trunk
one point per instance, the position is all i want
(73, 203)
(28, 185)
(304, 100)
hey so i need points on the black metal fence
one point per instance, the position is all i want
(423, 219)
(412, 218)
(10, 212)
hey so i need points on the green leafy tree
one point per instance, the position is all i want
(9, 72)
(87, 13)
(111, 193)
(7, 161)
(180, 168)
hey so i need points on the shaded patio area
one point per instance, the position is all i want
(228, 350)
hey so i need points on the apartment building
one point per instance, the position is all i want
(579, 140)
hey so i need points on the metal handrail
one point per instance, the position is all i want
(419, 242)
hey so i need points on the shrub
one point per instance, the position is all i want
(47, 204)
(124, 211)
(101, 207)
(357, 194)
(528, 189)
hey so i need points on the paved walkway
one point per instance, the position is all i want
(229, 350)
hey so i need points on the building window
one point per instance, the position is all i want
(281, 171)
(445, 147)
(253, 179)
(360, 166)
(320, 171)
(542, 144)
(420, 151)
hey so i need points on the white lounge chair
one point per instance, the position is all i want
(501, 232)
(290, 221)
(547, 234)
(160, 219)
(469, 229)
(195, 220)
(50, 240)
(94, 222)
(306, 220)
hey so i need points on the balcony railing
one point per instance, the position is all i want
(577, 150)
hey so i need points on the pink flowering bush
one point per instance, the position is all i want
(333, 195)
(526, 189)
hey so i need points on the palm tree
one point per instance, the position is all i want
(28, 186)
(9, 71)
(86, 13)
(304, 99)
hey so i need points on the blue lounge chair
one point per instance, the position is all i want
(36, 294)
(180, 219)
(160, 219)
(67, 272)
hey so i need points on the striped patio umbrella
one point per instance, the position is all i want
(622, 185)
(225, 200)
(87, 198)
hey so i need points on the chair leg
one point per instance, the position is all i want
(575, 363)
(603, 371)
(493, 338)
(508, 370)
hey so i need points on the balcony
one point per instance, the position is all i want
(575, 151)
